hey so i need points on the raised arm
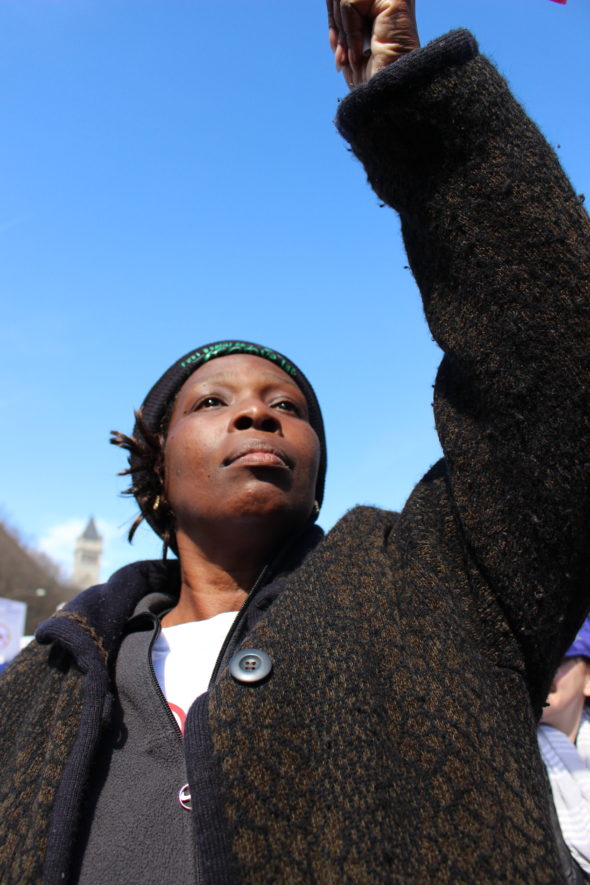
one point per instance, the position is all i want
(499, 246)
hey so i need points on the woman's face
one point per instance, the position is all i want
(568, 692)
(240, 447)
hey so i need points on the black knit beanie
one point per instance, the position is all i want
(157, 403)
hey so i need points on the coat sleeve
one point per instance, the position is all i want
(499, 246)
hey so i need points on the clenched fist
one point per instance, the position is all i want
(367, 35)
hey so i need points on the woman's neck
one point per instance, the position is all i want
(215, 578)
(567, 721)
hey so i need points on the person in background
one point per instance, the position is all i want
(564, 741)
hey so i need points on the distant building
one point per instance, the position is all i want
(86, 571)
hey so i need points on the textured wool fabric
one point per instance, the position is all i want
(56, 706)
(395, 739)
(400, 728)
(39, 726)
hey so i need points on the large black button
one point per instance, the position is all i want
(250, 665)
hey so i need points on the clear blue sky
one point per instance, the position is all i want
(170, 175)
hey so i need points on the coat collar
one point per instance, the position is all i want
(92, 624)
(94, 621)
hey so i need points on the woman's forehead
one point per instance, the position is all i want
(239, 366)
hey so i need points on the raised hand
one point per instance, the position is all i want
(367, 35)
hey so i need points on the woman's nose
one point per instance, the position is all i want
(256, 415)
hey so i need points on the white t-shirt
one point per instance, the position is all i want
(184, 657)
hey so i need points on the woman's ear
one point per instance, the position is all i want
(587, 679)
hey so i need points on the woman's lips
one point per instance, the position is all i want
(254, 453)
(260, 459)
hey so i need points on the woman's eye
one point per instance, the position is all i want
(284, 405)
(209, 402)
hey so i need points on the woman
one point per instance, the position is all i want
(360, 720)
(564, 741)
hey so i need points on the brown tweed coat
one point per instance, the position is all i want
(395, 739)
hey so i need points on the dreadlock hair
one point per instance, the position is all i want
(146, 469)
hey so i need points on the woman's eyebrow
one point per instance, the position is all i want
(231, 375)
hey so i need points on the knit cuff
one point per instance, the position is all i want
(454, 48)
